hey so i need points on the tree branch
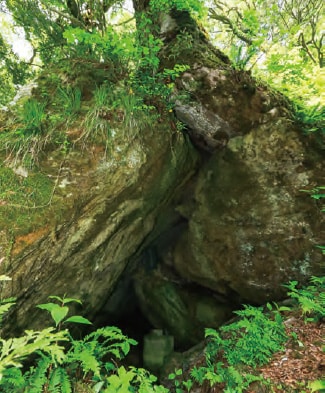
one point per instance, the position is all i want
(226, 21)
(67, 16)
(125, 22)
(302, 42)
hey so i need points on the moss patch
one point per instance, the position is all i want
(23, 200)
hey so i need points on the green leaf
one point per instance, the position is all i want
(284, 308)
(57, 312)
(48, 306)
(317, 386)
(98, 387)
(318, 196)
(70, 300)
(145, 51)
(65, 300)
(269, 306)
(109, 366)
(5, 307)
(78, 319)
(58, 298)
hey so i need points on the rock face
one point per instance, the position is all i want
(113, 215)
(250, 227)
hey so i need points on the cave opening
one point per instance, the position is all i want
(152, 301)
(123, 311)
(177, 328)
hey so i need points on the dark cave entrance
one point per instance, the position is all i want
(135, 325)
(151, 297)
(123, 311)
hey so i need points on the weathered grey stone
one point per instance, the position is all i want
(207, 130)
(156, 348)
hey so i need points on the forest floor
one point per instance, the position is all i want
(302, 361)
(291, 370)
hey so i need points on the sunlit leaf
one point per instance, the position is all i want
(78, 319)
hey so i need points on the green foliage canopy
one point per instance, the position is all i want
(281, 41)
(255, 26)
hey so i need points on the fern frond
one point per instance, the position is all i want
(198, 374)
(65, 381)
(59, 381)
(318, 281)
(111, 340)
(12, 380)
(37, 377)
(85, 354)
(14, 350)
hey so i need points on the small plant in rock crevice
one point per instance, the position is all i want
(32, 116)
(311, 118)
(69, 100)
(180, 384)
(25, 135)
(96, 122)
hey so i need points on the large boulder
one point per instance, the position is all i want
(246, 226)
(251, 228)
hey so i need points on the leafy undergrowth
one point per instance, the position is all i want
(279, 350)
(294, 369)
(263, 350)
